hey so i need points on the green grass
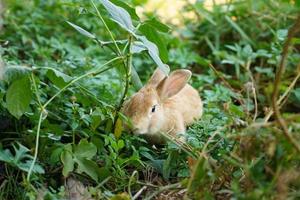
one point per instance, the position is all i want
(60, 102)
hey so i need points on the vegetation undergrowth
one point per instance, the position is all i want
(68, 66)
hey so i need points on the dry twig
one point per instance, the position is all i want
(226, 82)
(292, 31)
(283, 97)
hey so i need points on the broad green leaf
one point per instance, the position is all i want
(18, 97)
(55, 155)
(128, 8)
(139, 2)
(122, 17)
(20, 152)
(82, 31)
(118, 128)
(147, 155)
(167, 165)
(154, 54)
(85, 149)
(103, 173)
(151, 34)
(96, 117)
(119, 15)
(25, 166)
(89, 167)
(13, 72)
(67, 160)
(157, 25)
(136, 81)
(137, 47)
(5, 155)
(58, 78)
(21, 160)
(157, 164)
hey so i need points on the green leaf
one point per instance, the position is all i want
(89, 167)
(85, 149)
(238, 29)
(20, 152)
(281, 34)
(237, 110)
(5, 156)
(58, 78)
(18, 97)
(297, 3)
(128, 8)
(13, 72)
(26, 165)
(122, 17)
(151, 34)
(264, 70)
(204, 13)
(295, 96)
(157, 25)
(136, 81)
(22, 159)
(295, 41)
(119, 15)
(137, 47)
(55, 154)
(67, 160)
(118, 128)
(167, 166)
(96, 117)
(121, 144)
(82, 31)
(154, 54)
(103, 173)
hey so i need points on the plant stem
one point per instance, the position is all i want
(130, 182)
(126, 65)
(36, 90)
(106, 27)
(127, 75)
(283, 97)
(80, 77)
(292, 31)
(52, 98)
(36, 146)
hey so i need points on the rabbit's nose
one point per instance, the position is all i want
(139, 131)
(134, 130)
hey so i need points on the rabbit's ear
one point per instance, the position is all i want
(170, 86)
(156, 78)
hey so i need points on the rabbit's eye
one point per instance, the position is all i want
(153, 108)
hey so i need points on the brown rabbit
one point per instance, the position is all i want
(164, 105)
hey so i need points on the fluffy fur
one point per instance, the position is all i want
(164, 104)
